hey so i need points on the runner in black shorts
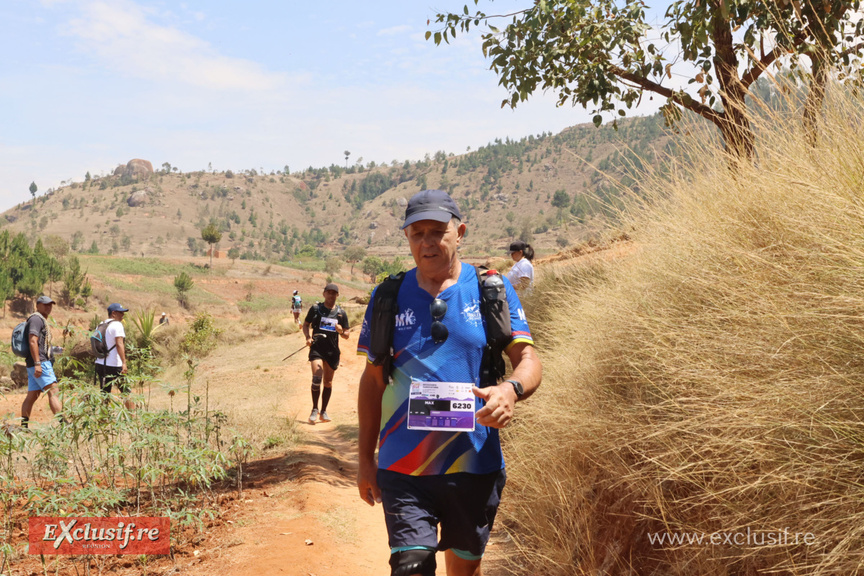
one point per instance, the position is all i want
(112, 369)
(327, 322)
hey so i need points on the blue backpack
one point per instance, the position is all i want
(20, 341)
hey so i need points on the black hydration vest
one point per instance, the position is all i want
(493, 306)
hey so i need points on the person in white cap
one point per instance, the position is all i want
(40, 371)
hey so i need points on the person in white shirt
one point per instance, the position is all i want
(521, 275)
(112, 369)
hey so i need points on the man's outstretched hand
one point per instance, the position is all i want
(500, 404)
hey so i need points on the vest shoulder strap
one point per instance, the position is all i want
(384, 310)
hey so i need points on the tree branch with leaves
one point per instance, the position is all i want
(598, 53)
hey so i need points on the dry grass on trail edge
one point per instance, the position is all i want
(709, 382)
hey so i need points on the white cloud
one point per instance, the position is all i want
(121, 35)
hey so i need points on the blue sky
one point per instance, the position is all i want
(88, 84)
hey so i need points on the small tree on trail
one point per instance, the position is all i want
(33, 189)
(212, 235)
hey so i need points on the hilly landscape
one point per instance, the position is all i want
(550, 190)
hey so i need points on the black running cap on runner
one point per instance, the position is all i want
(430, 205)
(332, 287)
(517, 246)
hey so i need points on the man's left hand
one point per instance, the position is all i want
(500, 402)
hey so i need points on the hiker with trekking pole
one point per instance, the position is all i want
(438, 332)
(327, 322)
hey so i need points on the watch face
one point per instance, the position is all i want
(518, 387)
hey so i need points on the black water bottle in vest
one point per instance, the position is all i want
(498, 312)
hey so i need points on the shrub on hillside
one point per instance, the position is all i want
(709, 383)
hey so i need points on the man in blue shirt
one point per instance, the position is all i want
(434, 466)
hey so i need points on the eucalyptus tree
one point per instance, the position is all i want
(600, 53)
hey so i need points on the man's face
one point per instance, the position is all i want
(118, 316)
(330, 298)
(433, 245)
(44, 309)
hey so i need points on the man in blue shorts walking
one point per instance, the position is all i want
(40, 371)
(435, 470)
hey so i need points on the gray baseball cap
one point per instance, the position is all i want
(430, 205)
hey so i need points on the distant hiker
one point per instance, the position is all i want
(328, 321)
(439, 457)
(521, 275)
(163, 319)
(296, 306)
(40, 371)
(112, 369)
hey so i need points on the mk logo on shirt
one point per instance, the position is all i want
(406, 318)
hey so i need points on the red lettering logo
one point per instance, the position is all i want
(79, 536)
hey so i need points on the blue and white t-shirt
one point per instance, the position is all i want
(417, 357)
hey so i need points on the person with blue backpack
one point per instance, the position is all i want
(40, 370)
(439, 462)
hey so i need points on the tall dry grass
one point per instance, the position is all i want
(712, 381)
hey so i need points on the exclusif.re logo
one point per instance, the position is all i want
(81, 535)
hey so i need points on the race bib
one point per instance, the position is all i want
(442, 406)
(327, 324)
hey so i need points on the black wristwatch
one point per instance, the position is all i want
(517, 386)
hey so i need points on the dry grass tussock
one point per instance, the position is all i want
(710, 381)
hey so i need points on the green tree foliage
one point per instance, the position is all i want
(33, 190)
(561, 199)
(354, 254)
(333, 264)
(373, 266)
(233, 253)
(212, 235)
(376, 267)
(201, 337)
(183, 283)
(25, 270)
(597, 53)
(369, 188)
(74, 280)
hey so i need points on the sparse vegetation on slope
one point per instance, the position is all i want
(289, 217)
(708, 383)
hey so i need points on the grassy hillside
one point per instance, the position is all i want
(548, 189)
(707, 383)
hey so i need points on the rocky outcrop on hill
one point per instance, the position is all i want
(135, 169)
(139, 198)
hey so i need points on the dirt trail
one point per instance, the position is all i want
(308, 496)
